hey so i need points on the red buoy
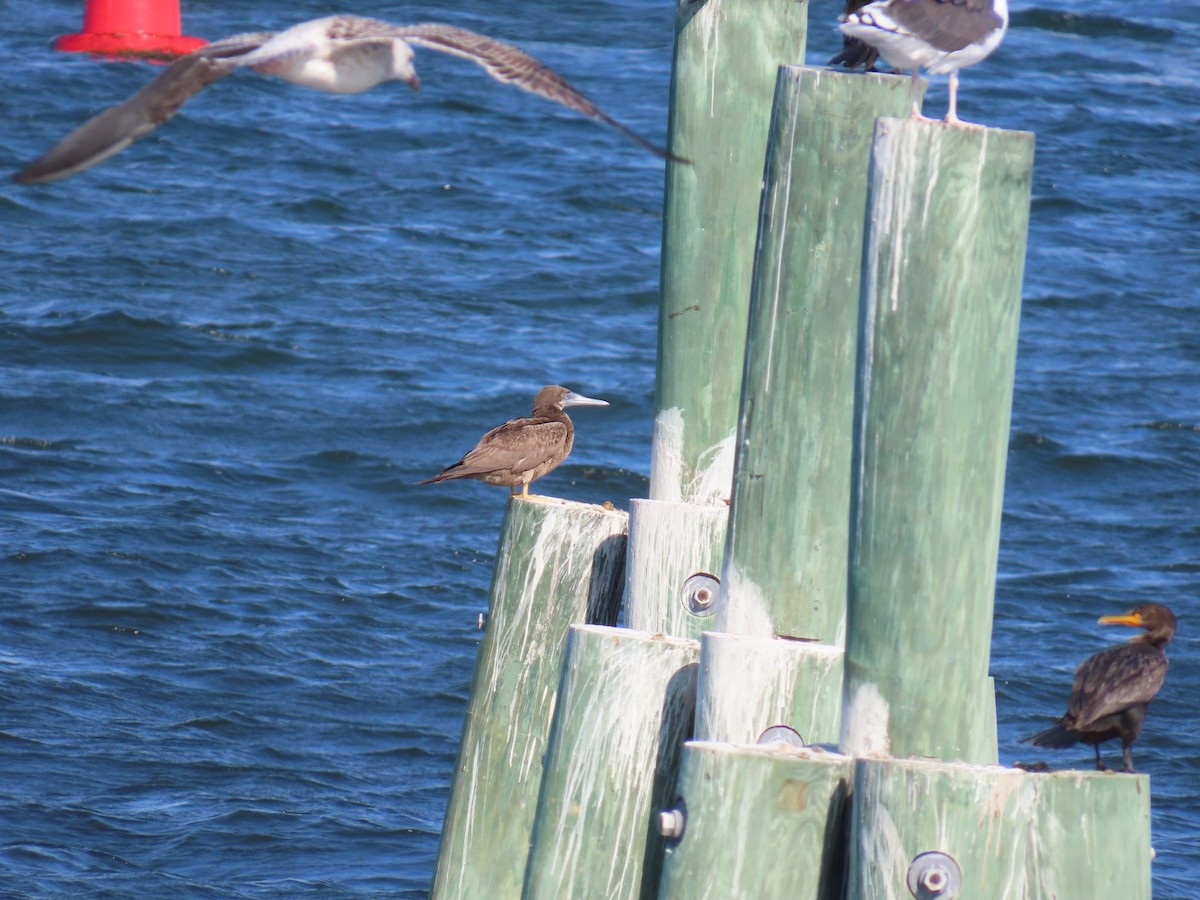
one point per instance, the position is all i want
(130, 28)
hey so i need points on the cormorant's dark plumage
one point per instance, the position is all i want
(1113, 688)
(523, 450)
(856, 53)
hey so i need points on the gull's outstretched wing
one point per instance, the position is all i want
(119, 126)
(514, 66)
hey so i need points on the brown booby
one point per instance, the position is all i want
(338, 54)
(1113, 688)
(523, 450)
(940, 36)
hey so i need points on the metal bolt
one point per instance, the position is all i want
(781, 734)
(672, 823)
(699, 593)
(934, 876)
(935, 879)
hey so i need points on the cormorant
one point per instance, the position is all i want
(523, 450)
(1113, 688)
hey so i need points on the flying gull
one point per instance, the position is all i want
(939, 36)
(523, 450)
(339, 54)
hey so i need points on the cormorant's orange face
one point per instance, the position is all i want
(1133, 617)
(1154, 617)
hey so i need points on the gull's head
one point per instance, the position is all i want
(402, 64)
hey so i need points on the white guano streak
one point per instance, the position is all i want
(710, 482)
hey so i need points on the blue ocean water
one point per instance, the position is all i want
(236, 639)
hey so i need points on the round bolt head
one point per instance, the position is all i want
(781, 734)
(699, 594)
(671, 823)
(934, 875)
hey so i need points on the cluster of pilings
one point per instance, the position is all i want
(837, 348)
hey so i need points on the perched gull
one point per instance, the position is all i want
(523, 450)
(338, 54)
(939, 36)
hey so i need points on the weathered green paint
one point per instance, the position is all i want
(943, 258)
(762, 822)
(902, 808)
(625, 707)
(785, 573)
(1061, 836)
(668, 543)
(748, 684)
(1090, 837)
(723, 79)
(558, 563)
(988, 747)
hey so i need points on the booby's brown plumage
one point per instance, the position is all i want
(1113, 688)
(523, 450)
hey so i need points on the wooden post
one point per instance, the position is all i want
(625, 707)
(941, 295)
(785, 569)
(558, 563)
(748, 684)
(1090, 837)
(723, 79)
(758, 822)
(902, 808)
(669, 543)
(1062, 836)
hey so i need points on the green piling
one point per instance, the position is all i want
(1090, 837)
(902, 808)
(785, 566)
(625, 707)
(557, 564)
(672, 566)
(947, 213)
(749, 684)
(1061, 836)
(723, 79)
(757, 822)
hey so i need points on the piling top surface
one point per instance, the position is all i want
(778, 750)
(812, 647)
(956, 767)
(630, 634)
(575, 504)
